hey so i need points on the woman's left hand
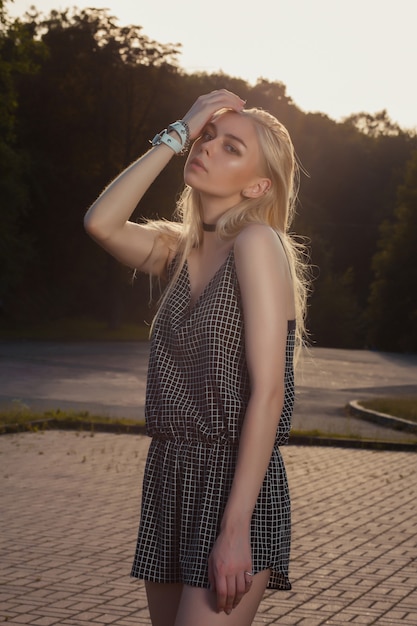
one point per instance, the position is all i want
(230, 569)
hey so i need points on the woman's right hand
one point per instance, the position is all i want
(207, 105)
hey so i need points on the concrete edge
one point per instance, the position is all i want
(383, 419)
(139, 429)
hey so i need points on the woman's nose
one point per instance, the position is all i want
(208, 146)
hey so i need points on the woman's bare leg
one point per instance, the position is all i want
(163, 602)
(198, 606)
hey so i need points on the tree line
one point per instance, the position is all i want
(80, 98)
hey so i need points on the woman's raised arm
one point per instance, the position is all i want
(107, 220)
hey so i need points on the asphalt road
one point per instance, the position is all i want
(110, 379)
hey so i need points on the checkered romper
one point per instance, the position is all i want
(197, 392)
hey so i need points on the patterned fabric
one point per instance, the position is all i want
(197, 392)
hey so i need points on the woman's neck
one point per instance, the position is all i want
(212, 209)
(209, 228)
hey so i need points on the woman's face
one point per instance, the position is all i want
(225, 160)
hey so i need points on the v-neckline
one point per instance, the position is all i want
(192, 303)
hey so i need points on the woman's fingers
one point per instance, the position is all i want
(206, 105)
(241, 589)
(231, 589)
(231, 594)
(230, 571)
(221, 593)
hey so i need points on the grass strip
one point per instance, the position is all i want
(404, 407)
(23, 419)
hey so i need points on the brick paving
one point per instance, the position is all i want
(69, 514)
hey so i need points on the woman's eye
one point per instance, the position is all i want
(230, 148)
(206, 136)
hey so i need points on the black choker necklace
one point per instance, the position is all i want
(209, 228)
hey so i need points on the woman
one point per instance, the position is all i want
(215, 522)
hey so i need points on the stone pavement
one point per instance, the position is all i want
(70, 507)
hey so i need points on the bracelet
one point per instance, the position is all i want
(183, 131)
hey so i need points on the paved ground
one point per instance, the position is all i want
(70, 506)
(70, 502)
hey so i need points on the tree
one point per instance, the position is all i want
(374, 125)
(334, 317)
(393, 300)
(20, 55)
(84, 116)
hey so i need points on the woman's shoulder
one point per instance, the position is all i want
(257, 239)
(260, 255)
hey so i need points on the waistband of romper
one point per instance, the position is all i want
(180, 440)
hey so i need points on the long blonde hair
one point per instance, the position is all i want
(276, 208)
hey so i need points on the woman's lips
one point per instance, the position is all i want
(198, 163)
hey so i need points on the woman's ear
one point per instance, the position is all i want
(258, 189)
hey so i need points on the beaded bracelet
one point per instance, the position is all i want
(181, 128)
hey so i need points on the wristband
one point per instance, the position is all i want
(163, 137)
(183, 131)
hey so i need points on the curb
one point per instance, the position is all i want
(383, 419)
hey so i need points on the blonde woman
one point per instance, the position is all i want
(215, 522)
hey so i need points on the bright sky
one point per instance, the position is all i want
(335, 56)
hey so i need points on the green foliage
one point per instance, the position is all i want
(335, 316)
(393, 299)
(20, 55)
(376, 125)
